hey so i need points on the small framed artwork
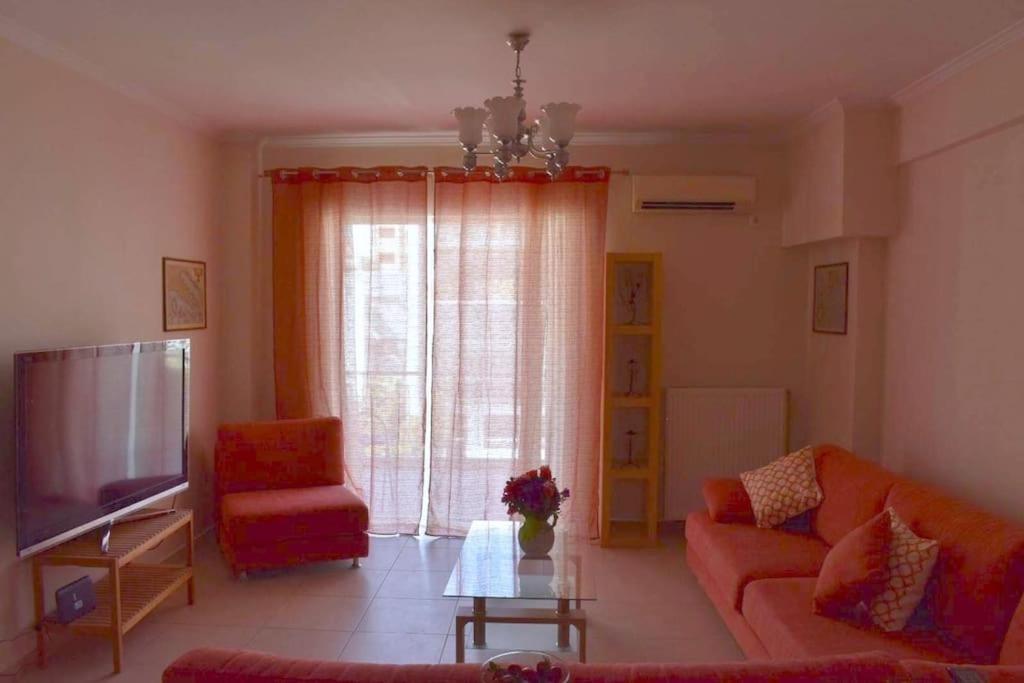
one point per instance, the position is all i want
(831, 296)
(184, 294)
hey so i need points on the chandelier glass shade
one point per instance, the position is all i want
(509, 137)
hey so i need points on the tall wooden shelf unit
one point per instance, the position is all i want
(130, 590)
(631, 462)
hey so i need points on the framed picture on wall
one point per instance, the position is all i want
(831, 297)
(184, 294)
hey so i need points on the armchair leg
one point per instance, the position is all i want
(355, 563)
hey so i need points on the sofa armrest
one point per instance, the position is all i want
(921, 671)
(727, 501)
(255, 456)
(208, 665)
(226, 666)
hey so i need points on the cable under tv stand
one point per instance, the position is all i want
(107, 528)
(148, 513)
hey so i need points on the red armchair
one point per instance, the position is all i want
(280, 497)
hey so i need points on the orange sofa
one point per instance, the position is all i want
(280, 497)
(762, 580)
(228, 666)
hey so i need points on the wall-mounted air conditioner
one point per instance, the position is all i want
(705, 193)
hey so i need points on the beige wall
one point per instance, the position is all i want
(814, 204)
(734, 297)
(841, 198)
(954, 390)
(969, 104)
(94, 190)
(930, 374)
(238, 209)
(842, 374)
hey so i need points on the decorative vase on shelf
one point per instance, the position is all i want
(536, 537)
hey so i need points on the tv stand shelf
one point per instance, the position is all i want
(131, 589)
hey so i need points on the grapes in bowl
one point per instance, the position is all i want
(524, 667)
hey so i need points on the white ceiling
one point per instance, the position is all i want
(308, 66)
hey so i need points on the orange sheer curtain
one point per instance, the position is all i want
(350, 287)
(518, 341)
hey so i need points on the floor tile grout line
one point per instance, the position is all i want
(366, 610)
(444, 647)
(345, 646)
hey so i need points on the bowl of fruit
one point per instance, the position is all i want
(523, 666)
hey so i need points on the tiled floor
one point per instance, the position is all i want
(649, 609)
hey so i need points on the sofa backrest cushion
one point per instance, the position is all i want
(854, 490)
(279, 454)
(978, 580)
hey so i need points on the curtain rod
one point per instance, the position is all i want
(619, 171)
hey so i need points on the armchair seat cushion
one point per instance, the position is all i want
(268, 516)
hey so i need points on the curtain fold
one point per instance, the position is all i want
(518, 341)
(350, 288)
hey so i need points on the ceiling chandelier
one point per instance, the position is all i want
(511, 138)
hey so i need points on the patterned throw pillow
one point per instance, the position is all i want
(783, 489)
(911, 559)
(854, 571)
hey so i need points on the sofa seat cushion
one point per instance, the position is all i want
(259, 517)
(779, 612)
(736, 554)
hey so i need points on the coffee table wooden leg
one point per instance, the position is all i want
(460, 640)
(480, 623)
(563, 625)
(582, 628)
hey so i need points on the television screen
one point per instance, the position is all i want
(100, 431)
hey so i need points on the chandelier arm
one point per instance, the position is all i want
(539, 152)
(525, 140)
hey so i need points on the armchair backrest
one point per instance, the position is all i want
(255, 456)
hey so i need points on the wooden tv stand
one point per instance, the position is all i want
(131, 590)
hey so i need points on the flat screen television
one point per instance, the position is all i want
(100, 431)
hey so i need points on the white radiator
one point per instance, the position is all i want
(718, 433)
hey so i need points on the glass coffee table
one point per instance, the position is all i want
(492, 567)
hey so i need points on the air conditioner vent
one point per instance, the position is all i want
(687, 206)
(713, 194)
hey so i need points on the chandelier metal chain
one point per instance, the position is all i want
(518, 80)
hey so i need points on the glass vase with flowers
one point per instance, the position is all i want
(535, 495)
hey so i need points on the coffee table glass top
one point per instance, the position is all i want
(491, 565)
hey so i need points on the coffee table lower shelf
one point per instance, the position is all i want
(480, 615)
